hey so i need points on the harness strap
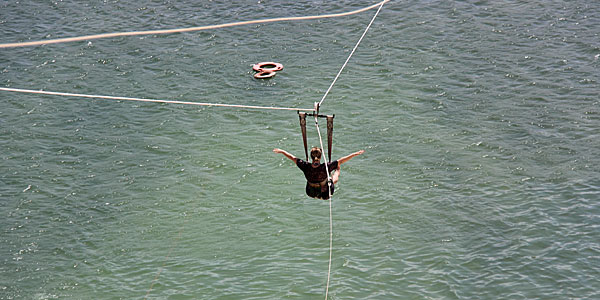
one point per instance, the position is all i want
(318, 184)
(329, 134)
(302, 117)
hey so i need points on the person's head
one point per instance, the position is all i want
(315, 154)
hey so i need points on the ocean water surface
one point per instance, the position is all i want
(481, 176)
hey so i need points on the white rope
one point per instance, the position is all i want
(356, 46)
(317, 106)
(330, 209)
(151, 100)
(179, 30)
(160, 270)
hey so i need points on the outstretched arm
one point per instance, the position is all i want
(286, 154)
(348, 157)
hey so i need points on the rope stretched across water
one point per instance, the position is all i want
(151, 100)
(180, 30)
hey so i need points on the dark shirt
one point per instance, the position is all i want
(315, 174)
(316, 177)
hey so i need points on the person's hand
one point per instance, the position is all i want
(360, 152)
(277, 150)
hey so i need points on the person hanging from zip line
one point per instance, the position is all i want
(315, 172)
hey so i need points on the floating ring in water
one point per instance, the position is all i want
(267, 66)
(264, 74)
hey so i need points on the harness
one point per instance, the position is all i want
(319, 184)
(302, 117)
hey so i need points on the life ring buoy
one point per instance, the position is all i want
(264, 74)
(267, 66)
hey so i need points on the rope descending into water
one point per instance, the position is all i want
(167, 257)
(317, 106)
(180, 30)
(330, 206)
(151, 100)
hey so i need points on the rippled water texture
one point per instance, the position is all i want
(480, 121)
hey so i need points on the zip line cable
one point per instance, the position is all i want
(354, 49)
(180, 30)
(151, 100)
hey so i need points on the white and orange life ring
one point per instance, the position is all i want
(267, 66)
(264, 74)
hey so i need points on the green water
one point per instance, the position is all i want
(480, 180)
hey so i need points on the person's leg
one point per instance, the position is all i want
(336, 175)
